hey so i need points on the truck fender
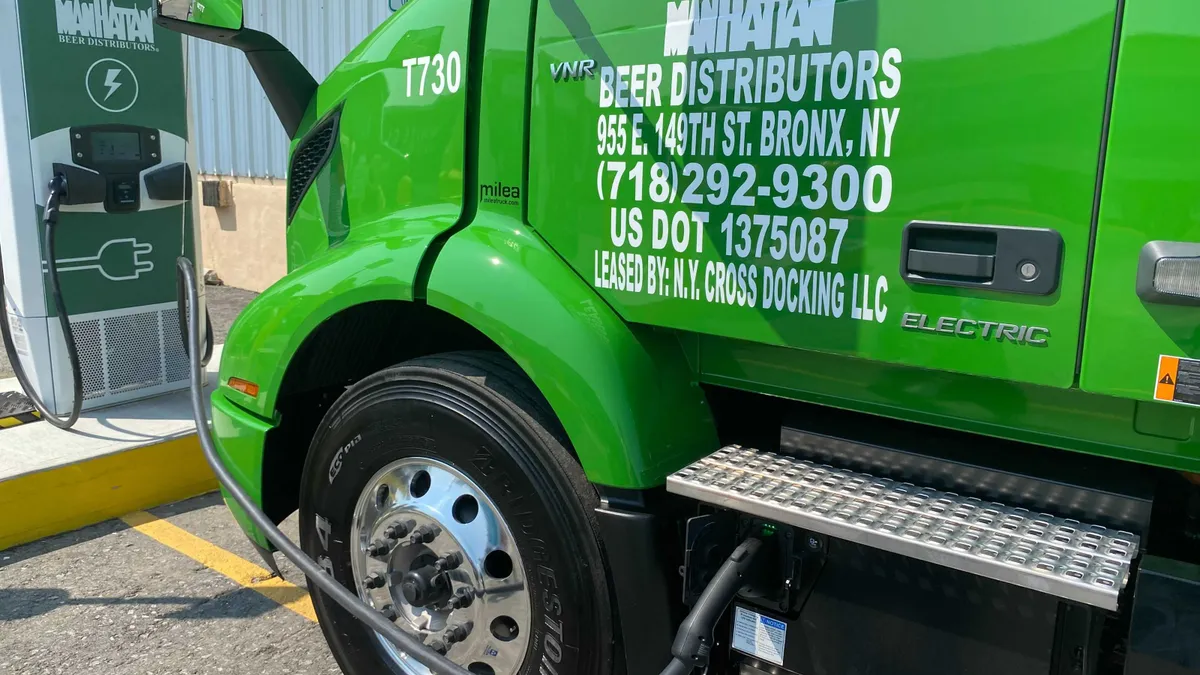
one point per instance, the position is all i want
(267, 335)
(624, 393)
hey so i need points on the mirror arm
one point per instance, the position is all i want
(288, 84)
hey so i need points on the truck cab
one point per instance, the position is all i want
(584, 295)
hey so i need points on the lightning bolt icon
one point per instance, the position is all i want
(111, 82)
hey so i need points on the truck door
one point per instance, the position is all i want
(782, 171)
(1143, 323)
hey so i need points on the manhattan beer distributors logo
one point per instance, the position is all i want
(104, 23)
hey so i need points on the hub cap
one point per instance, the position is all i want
(432, 552)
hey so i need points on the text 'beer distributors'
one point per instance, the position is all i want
(756, 137)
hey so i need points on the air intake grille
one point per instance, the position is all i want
(89, 343)
(124, 353)
(311, 155)
(176, 359)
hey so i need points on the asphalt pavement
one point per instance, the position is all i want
(224, 304)
(175, 590)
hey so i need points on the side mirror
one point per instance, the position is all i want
(223, 14)
(289, 86)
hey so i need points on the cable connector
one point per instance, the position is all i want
(54, 198)
(694, 640)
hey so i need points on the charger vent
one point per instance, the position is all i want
(90, 344)
(123, 353)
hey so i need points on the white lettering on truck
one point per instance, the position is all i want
(720, 26)
(446, 75)
(739, 169)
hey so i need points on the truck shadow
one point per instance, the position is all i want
(18, 604)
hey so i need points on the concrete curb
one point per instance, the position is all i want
(116, 460)
(68, 497)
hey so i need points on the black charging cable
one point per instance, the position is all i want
(181, 298)
(57, 195)
(693, 642)
(58, 192)
(370, 616)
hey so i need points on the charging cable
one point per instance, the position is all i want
(693, 642)
(58, 192)
(370, 616)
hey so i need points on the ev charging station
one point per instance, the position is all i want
(94, 93)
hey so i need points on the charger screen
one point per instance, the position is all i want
(116, 146)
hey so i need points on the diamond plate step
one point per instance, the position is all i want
(1063, 557)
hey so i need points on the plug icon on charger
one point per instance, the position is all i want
(117, 260)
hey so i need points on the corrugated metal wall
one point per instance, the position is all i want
(236, 131)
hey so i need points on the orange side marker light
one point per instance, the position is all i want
(246, 387)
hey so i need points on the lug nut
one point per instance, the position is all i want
(438, 646)
(374, 580)
(424, 534)
(456, 633)
(399, 529)
(389, 612)
(380, 547)
(449, 562)
(463, 597)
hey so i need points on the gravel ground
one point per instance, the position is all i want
(224, 304)
(108, 599)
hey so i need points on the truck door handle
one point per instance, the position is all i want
(987, 257)
(964, 266)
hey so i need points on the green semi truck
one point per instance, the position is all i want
(754, 336)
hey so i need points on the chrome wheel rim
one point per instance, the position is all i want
(413, 521)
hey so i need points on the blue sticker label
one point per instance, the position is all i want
(759, 636)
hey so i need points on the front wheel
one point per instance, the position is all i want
(442, 492)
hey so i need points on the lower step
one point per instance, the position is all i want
(1063, 557)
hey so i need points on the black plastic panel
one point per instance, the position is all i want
(633, 542)
(877, 612)
(1164, 638)
(84, 186)
(170, 183)
(287, 83)
(987, 257)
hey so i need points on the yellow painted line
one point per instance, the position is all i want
(68, 497)
(239, 570)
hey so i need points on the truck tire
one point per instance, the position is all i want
(458, 454)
